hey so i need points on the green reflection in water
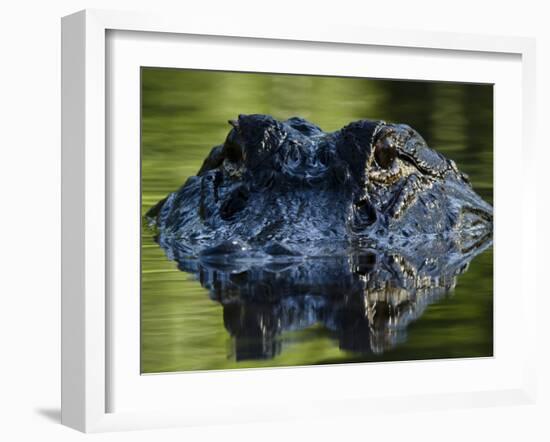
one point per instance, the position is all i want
(185, 113)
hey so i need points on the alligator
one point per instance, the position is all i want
(281, 189)
(358, 230)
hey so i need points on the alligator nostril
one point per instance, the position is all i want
(385, 152)
(223, 248)
(277, 249)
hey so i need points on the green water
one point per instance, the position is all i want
(185, 113)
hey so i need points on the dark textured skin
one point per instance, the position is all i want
(287, 188)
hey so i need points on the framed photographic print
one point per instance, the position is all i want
(295, 256)
(251, 213)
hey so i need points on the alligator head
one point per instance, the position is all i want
(288, 188)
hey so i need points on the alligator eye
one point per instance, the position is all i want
(385, 151)
(232, 147)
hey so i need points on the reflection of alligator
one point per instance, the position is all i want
(358, 230)
(365, 299)
(290, 188)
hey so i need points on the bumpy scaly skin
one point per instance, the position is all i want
(288, 188)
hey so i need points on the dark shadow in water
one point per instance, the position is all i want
(364, 299)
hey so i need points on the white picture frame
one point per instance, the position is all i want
(87, 356)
